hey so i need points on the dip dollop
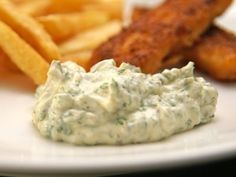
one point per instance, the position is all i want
(120, 105)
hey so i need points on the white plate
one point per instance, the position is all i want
(23, 151)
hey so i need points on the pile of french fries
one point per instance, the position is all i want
(35, 32)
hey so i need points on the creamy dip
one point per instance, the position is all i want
(120, 105)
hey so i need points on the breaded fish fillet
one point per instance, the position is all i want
(169, 28)
(215, 53)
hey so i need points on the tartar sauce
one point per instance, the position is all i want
(120, 105)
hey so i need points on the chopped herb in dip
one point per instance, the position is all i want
(120, 105)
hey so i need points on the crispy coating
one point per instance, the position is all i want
(138, 12)
(215, 53)
(159, 33)
(176, 60)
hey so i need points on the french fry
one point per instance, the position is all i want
(81, 58)
(20, 1)
(113, 7)
(35, 8)
(63, 26)
(23, 55)
(29, 29)
(90, 39)
(6, 65)
(67, 6)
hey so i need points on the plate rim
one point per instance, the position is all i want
(204, 155)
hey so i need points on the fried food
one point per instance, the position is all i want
(215, 53)
(138, 12)
(81, 58)
(34, 8)
(176, 60)
(90, 39)
(63, 26)
(6, 65)
(169, 28)
(67, 6)
(112, 7)
(23, 55)
(19, 2)
(29, 29)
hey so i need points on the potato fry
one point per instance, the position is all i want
(35, 8)
(81, 58)
(20, 1)
(29, 29)
(90, 39)
(113, 7)
(23, 55)
(6, 65)
(63, 26)
(65, 6)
